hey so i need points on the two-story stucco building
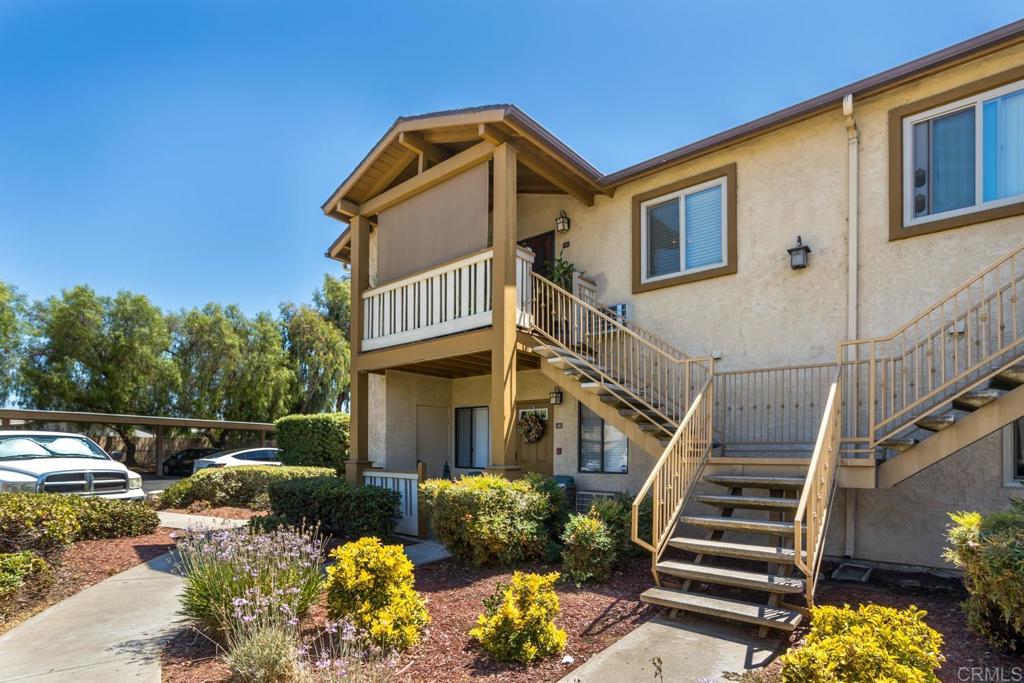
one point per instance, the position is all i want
(814, 319)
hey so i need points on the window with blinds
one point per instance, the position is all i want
(472, 437)
(965, 156)
(685, 231)
(602, 447)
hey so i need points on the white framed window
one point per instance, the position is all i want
(964, 156)
(685, 231)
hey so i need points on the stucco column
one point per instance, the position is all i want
(503, 349)
(358, 457)
(161, 433)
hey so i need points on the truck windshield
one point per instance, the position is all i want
(22, 447)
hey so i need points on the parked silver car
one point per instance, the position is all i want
(57, 462)
(239, 457)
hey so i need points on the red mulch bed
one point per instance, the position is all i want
(941, 600)
(88, 562)
(222, 512)
(594, 617)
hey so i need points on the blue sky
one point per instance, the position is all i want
(183, 149)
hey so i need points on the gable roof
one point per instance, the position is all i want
(388, 152)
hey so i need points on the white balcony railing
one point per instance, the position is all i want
(446, 299)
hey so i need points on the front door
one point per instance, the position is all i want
(536, 455)
(543, 247)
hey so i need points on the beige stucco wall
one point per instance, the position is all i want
(906, 524)
(790, 182)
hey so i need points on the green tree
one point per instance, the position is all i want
(99, 354)
(12, 317)
(320, 356)
(334, 302)
(231, 367)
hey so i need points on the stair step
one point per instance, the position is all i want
(745, 551)
(755, 526)
(749, 502)
(1010, 378)
(898, 445)
(978, 398)
(743, 481)
(936, 423)
(738, 610)
(731, 577)
(596, 387)
(637, 414)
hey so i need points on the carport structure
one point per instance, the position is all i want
(161, 423)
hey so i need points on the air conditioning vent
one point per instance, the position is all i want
(584, 499)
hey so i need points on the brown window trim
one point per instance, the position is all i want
(896, 116)
(729, 173)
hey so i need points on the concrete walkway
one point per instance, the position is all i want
(177, 520)
(690, 649)
(113, 631)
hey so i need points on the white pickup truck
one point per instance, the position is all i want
(56, 462)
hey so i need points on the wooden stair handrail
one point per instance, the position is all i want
(816, 498)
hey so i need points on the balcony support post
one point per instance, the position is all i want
(503, 350)
(359, 458)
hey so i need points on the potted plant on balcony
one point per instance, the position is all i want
(561, 271)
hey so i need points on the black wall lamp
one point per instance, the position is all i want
(799, 255)
(556, 396)
(562, 222)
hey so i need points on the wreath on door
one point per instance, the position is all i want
(531, 427)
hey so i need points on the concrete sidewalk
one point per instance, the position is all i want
(690, 649)
(112, 631)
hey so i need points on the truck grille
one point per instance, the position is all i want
(84, 483)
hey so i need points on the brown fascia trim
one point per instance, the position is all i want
(991, 41)
(896, 229)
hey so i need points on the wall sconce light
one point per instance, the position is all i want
(556, 397)
(798, 255)
(562, 222)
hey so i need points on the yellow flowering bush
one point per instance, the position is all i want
(871, 644)
(518, 620)
(371, 586)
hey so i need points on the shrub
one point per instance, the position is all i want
(518, 620)
(319, 440)
(245, 486)
(557, 513)
(264, 655)
(871, 643)
(41, 522)
(22, 570)
(371, 585)
(105, 518)
(590, 549)
(487, 519)
(341, 509)
(617, 513)
(990, 550)
(238, 573)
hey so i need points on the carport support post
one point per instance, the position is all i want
(5, 422)
(263, 438)
(160, 431)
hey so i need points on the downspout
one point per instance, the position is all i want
(852, 311)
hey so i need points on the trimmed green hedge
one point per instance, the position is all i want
(345, 511)
(244, 486)
(488, 520)
(318, 440)
(47, 522)
(23, 575)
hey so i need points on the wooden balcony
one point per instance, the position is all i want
(446, 299)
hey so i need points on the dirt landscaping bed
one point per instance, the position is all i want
(88, 562)
(593, 616)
